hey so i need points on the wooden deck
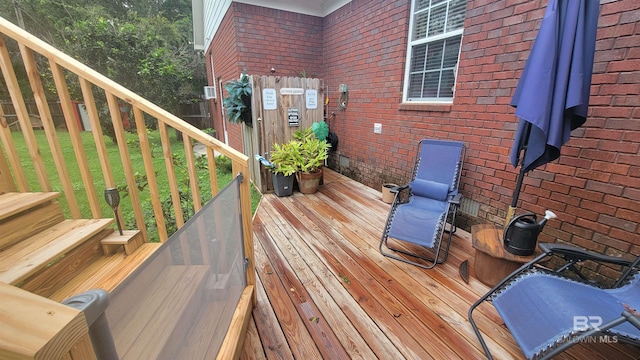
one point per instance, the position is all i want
(325, 292)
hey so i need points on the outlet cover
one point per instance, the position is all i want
(377, 128)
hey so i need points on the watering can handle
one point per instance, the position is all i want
(513, 220)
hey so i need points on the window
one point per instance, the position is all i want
(434, 47)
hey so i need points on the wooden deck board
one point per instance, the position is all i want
(324, 247)
(404, 294)
(325, 293)
(298, 337)
(270, 334)
(354, 297)
(106, 273)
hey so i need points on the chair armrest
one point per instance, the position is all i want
(577, 254)
(455, 199)
(632, 317)
(397, 189)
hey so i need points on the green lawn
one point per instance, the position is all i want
(222, 164)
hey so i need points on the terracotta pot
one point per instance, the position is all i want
(308, 183)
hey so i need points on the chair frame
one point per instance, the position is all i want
(452, 209)
(572, 255)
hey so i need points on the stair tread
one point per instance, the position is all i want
(14, 202)
(106, 273)
(116, 238)
(29, 256)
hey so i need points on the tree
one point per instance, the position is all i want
(145, 45)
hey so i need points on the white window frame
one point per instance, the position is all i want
(428, 39)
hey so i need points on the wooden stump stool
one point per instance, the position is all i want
(492, 262)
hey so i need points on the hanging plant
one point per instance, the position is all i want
(238, 101)
(321, 129)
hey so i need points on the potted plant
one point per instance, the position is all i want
(283, 167)
(312, 154)
(238, 101)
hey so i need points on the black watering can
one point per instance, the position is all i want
(521, 234)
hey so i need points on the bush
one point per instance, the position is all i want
(224, 164)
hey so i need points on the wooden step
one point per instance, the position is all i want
(107, 272)
(67, 267)
(25, 214)
(129, 241)
(33, 254)
(13, 203)
(157, 321)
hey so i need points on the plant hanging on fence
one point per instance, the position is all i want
(238, 101)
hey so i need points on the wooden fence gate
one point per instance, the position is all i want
(280, 106)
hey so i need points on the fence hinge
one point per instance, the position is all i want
(240, 177)
(246, 264)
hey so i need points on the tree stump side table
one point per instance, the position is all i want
(492, 262)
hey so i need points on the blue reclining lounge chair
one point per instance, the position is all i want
(547, 311)
(433, 199)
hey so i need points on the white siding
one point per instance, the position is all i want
(198, 24)
(213, 12)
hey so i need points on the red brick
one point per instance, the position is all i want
(619, 223)
(618, 7)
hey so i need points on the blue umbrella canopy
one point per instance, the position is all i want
(552, 95)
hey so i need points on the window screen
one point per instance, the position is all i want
(434, 48)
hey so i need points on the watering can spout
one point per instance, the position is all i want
(550, 215)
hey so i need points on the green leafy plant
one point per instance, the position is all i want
(209, 131)
(284, 158)
(238, 101)
(313, 151)
(224, 164)
(321, 129)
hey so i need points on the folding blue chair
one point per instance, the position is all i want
(433, 200)
(548, 311)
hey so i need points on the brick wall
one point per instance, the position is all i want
(364, 48)
(256, 39)
(595, 185)
(223, 54)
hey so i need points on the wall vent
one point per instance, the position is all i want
(469, 206)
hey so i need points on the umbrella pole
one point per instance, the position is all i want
(511, 212)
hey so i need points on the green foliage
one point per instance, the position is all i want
(284, 157)
(236, 103)
(223, 172)
(304, 153)
(320, 129)
(224, 164)
(313, 151)
(145, 45)
(148, 55)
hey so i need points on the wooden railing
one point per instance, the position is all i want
(39, 58)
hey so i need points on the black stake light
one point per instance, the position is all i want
(112, 196)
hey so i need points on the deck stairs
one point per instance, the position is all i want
(44, 253)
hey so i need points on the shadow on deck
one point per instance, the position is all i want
(325, 291)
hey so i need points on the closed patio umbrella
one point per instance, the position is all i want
(552, 95)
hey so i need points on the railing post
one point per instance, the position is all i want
(94, 303)
(242, 168)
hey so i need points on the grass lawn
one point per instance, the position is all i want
(223, 171)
